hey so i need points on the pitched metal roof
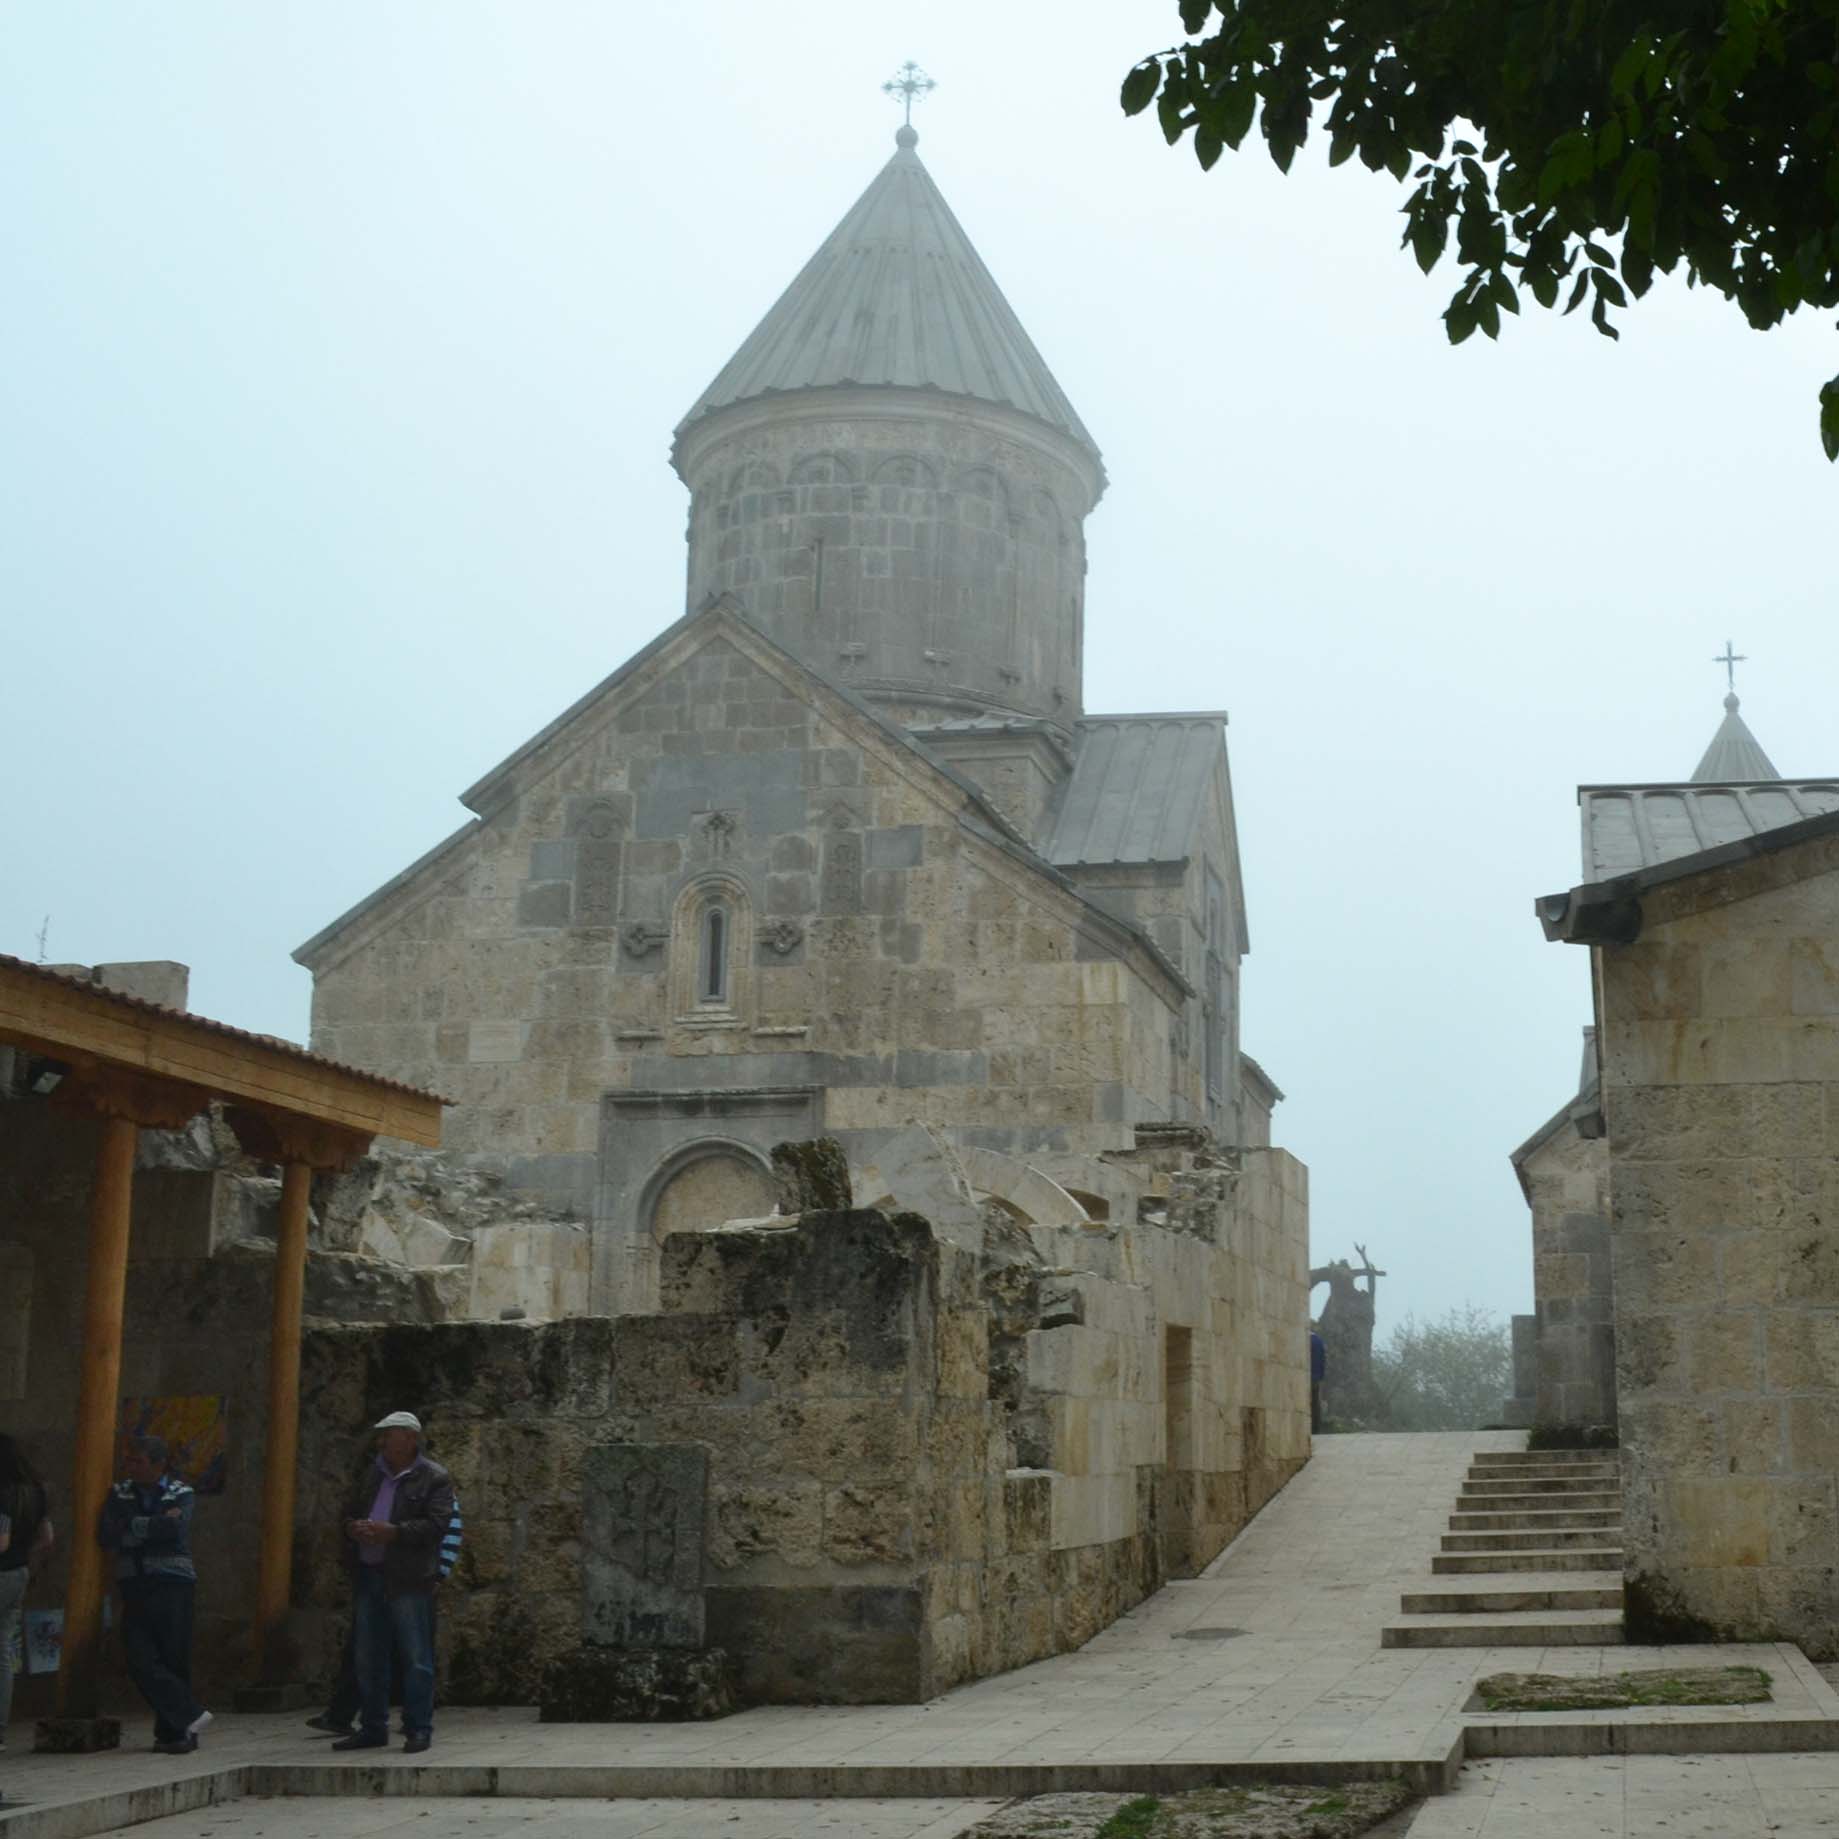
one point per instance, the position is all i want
(1137, 788)
(895, 296)
(1735, 755)
(1627, 828)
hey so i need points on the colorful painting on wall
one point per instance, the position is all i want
(196, 1432)
(43, 1637)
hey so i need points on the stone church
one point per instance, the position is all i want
(842, 851)
(1686, 1202)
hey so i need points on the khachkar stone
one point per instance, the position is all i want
(642, 1570)
(642, 1657)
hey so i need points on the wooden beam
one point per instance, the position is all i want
(65, 1022)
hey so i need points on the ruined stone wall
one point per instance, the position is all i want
(1721, 1093)
(927, 1460)
(1567, 1179)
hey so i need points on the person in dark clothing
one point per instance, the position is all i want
(26, 1538)
(395, 1520)
(343, 1706)
(1318, 1371)
(147, 1522)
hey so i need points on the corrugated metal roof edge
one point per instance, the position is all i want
(292, 1049)
(1563, 916)
(1705, 785)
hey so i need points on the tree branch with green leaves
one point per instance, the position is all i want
(1571, 149)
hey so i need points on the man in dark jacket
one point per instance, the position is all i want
(146, 1521)
(395, 1520)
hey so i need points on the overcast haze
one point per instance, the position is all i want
(340, 348)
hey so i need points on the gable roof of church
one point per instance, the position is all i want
(980, 817)
(1735, 755)
(896, 296)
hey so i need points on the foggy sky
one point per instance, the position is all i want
(340, 347)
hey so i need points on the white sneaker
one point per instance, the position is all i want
(197, 1724)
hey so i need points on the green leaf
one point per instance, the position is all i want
(1500, 289)
(1599, 255)
(1208, 146)
(1172, 116)
(1577, 293)
(1829, 418)
(1544, 284)
(1458, 320)
(1629, 66)
(1428, 237)
(1140, 87)
(1194, 15)
(1238, 102)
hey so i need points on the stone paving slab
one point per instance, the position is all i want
(1639, 1797)
(575, 1819)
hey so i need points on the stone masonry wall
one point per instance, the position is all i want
(1721, 1092)
(927, 1462)
(1573, 1280)
(884, 954)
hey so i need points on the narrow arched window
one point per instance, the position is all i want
(712, 971)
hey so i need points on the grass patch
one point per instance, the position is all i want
(1132, 1820)
(1623, 1691)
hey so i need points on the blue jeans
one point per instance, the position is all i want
(382, 1625)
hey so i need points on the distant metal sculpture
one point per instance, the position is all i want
(1347, 1333)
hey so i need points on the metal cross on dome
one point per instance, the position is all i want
(908, 85)
(1731, 658)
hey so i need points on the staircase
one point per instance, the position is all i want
(1533, 1557)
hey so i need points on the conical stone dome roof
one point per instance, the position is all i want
(1735, 756)
(896, 297)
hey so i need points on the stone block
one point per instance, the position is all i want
(812, 1177)
(642, 1517)
(865, 1525)
(900, 847)
(823, 1644)
(1803, 1530)
(1725, 1352)
(1719, 1520)
(644, 1686)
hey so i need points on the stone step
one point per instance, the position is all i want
(1536, 1503)
(1570, 1558)
(1531, 1522)
(1535, 1590)
(1517, 1458)
(1545, 1484)
(1534, 1628)
(1551, 1539)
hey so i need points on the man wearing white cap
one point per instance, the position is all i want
(395, 1519)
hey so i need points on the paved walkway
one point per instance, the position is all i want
(1271, 1658)
(1639, 1797)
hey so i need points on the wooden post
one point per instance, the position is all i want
(111, 1202)
(275, 1572)
(300, 1145)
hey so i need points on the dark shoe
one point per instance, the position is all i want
(361, 1740)
(330, 1725)
(177, 1746)
(416, 1741)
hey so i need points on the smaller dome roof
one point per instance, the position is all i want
(1735, 756)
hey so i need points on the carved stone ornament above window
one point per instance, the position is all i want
(782, 936)
(719, 827)
(640, 940)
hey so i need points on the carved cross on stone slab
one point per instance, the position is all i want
(641, 1567)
